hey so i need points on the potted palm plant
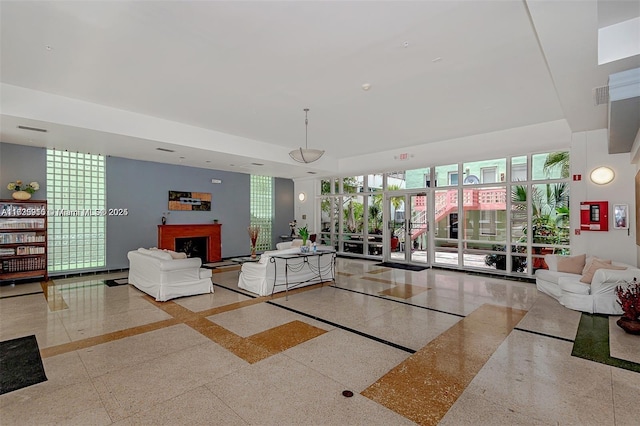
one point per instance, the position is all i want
(304, 234)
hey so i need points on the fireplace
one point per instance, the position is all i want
(170, 236)
(193, 247)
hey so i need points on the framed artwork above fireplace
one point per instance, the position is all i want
(189, 201)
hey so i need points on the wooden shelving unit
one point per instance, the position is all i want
(23, 239)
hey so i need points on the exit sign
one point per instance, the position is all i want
(404, 156)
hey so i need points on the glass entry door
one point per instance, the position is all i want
(408, 228)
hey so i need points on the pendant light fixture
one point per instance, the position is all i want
(306, 155)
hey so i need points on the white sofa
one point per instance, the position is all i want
(596, 297)
(267, 276)
(158, 274)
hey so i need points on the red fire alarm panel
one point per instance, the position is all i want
(594, 216)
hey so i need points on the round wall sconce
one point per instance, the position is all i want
(302, 196)
(602, 175)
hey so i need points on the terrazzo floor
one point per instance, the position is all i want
(427, 347)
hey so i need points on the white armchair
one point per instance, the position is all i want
(161, 276)
(268, 275)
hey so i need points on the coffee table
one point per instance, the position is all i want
(297, 266)
(245, 259)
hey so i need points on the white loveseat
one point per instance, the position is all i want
(158, 274)
(569, 284)
(267, 276)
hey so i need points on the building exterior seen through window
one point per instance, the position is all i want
(498, 214)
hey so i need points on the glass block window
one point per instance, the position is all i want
(77, 202)
(262, 210)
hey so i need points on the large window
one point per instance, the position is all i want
(77, 201)
(496, 214)
(262, 209)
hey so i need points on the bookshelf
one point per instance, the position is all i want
(23, 239)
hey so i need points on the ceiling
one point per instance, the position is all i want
(224, 83)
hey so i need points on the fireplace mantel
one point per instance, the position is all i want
(167, 235)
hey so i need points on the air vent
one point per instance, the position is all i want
(33, 129)
(601, 95)
(312, 173)
(257, 164)
(165, 150)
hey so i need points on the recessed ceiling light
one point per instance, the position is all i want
(438, 59)
(366, 86)
(405, 44)
(165, 150)
(48, 47)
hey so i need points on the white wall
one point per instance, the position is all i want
(543, 137)
(635, 159)
(588, 151)
(310, 206)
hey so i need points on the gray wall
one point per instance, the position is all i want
(25, 163)
(283, 199)
(143, 187)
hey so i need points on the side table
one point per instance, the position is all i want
(244, 259)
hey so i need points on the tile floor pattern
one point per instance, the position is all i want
(428, 347)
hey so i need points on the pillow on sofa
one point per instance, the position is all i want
(595, 265)
(552, 261)
(176, 255)
(158, 254)
(571, 264)
(283, 246)
(590, 260)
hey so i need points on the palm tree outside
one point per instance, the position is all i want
(558, 160)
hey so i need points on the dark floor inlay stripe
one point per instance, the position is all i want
(592, 342)
(20, 295)
(551, 336)
(399, 301)
(253, 296)
(342, 327)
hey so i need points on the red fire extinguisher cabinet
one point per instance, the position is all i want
(594, 216)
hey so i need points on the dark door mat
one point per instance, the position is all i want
(115, 283)
(402, 266)
(20, 364)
